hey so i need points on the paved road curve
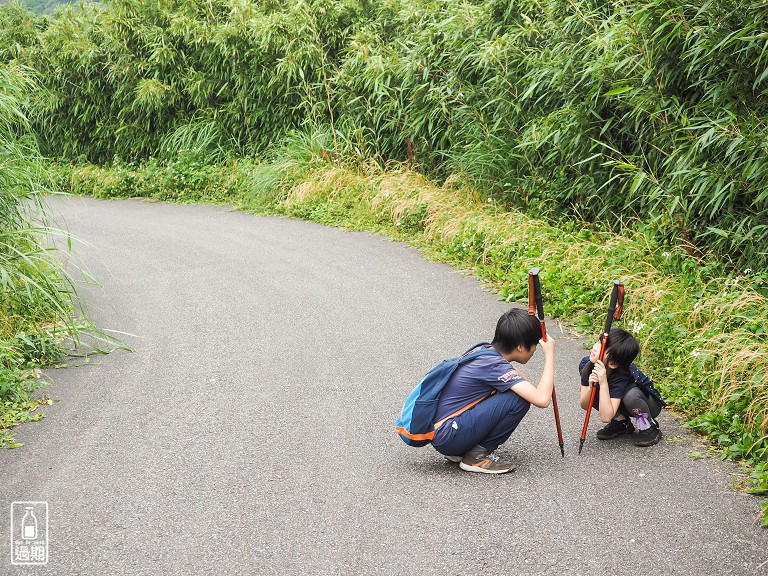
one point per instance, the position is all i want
(251, 430)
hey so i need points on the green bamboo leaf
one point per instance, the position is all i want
(617, 91)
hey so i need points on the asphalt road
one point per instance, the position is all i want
(250, 431)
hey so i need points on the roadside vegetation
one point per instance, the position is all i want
(596, 141)
(40, 318)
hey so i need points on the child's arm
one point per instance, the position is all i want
(586, 391)
(607, 406)
(540, 395)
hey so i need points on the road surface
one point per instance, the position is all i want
(250, 430)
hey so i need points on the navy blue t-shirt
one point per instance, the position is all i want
(475, 380)
(619, 383)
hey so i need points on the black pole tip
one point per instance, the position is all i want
(581, 445)
(562, 451)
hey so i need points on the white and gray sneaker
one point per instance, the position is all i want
(486, 463)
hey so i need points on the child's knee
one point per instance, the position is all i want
(634, 402)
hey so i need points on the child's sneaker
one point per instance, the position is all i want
(486, 462)
(648, 437)
(454, 459)
(614, 429)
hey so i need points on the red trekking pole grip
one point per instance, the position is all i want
(531, 285)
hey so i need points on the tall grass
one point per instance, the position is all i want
(40, 315)
(198, 138)
(29, 293)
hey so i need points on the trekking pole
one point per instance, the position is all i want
(614, 312)
(535, 302)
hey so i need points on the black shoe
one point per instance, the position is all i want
(614, 429)
(648, 437)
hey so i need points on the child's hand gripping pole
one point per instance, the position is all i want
(535, 302)
(614, 312)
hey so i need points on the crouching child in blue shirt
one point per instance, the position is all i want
(503, 396)
(624, 392)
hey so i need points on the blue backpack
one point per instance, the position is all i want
(416, 424)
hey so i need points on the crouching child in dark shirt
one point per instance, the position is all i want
(624, 392)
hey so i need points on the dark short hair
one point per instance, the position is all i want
(516, 328)
(622, 348)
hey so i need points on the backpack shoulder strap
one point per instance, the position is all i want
(645, 384)
(481, 349)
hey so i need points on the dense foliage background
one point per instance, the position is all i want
(649, 113)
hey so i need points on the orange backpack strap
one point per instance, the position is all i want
(464, 409)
